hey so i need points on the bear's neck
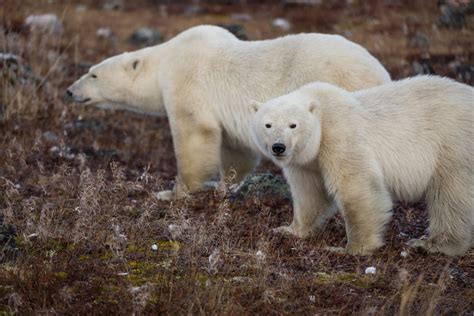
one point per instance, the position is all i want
(145, 95)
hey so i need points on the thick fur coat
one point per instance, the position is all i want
(411, 140)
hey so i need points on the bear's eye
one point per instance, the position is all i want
(268, 125)
(94, 76)
(292, 125)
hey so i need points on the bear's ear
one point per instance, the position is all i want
(313, 107)
(133, 65)
(255, 105)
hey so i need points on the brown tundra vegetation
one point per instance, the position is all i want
(81, 231)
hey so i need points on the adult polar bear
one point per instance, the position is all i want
(204, 79)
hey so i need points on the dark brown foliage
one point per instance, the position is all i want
(77, 184)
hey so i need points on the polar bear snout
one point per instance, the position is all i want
(71, 94)
(278, 149)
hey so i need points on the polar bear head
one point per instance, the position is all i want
(119, 82)
(287, 129)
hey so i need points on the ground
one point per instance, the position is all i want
(82, 232)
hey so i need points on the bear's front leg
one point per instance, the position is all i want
(312, 207)
(197, 146)
(365, 205)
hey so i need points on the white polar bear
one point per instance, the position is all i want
(204, 79)
(410, 140)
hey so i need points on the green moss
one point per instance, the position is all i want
(142, 272)
(106, 256)
(470, 295)
(19, 242)
(169, 245)
(61, 275)
(133, 248)
(84, 257)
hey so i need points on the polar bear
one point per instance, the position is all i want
(203, 80)
(358, 151)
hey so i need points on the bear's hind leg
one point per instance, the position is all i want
(236, 164)
(311, 204)
(451, 215)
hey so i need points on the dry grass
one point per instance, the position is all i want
(78, 184)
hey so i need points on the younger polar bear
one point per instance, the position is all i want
(204, 79)
(408, 140)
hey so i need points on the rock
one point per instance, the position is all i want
(194, 10)
(420, 40)
(370, 270)
(44, 23)
(81, 8)
(9, 58)
(81, 124)
(263, 185)
(104, 32)
(463, 72)
(241, 17)
(301, 2)
(145, 37)
(260, 256)
(452, 15)
(111, 5)
(8, 249)
(236, 29)
(50, 137)
(14, 71)
(423, 67)
(282, 24)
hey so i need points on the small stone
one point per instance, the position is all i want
(154, 247)
(404, 254)
(214, 259)
(55, 150)
(420, 40)
(301, 2)
(103, 32)
(423, 67)
(194, 10)
(9, 58)
(370, 270)
(111, 5)
(50, 137)
(44, 23)
(282, 24)
(241, 17)
(145, 37)
(236, 29)
(81, 8)
(312, 298)
(452, 15)
(260, 255)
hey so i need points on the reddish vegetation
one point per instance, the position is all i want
(81, 196)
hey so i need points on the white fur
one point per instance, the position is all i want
(204, 79)
(410, 140)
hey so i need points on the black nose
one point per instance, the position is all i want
(278, 148)
(69, 93)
